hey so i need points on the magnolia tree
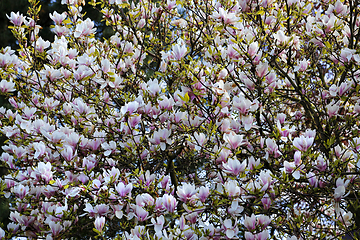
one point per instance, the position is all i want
(195, 120)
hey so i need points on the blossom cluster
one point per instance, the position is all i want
(219, 120)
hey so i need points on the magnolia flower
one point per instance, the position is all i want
(266, 201)
(247, 121)
(2, 233)
(144, 199)
(235, 209)
(263, 235)
(339, 193)
(280, 37)
(234, 167)
(21, 191)
(345, 218)
(203, 193)
(249, 236)
(58, 18)
(200, 139)
(39, 149)
(169, 202)
(230, 230)
(99, 223)
(84, 28)
(56, 228)
(158, 225)
(16, 18)
(303, 143)
(262, 69)
(250, 222)
(109, 147)
(186, 191)
(6, 86)
(141, 213)
(41, 45)
(123, 190)
(179, 51)
(68, 153)
(43, 171)
(232, 188)
(313, 180)
(332, 109)
(253, 48)
(225, 17)
(233, 140)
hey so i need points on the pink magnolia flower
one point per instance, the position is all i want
(232, 188)
(263, 220)
(344, 87)
(203, 193)
(2, 233)
(313, 180)
(266, 201)
(225, 17)
(105, 65)
(21, 191)
(272, 147)
(289, 168)
(249, 236)
(101, 209)
(170, 4)
(234, 140)
(161, 137)
(153, 87)
(253, 48)
(247, 121)
(179, 51)
(144, 199)
(280, 37)
(130, 107)
(297, 158)
(43, 171)
(303, 143)
(16, 18)
(123, 190)
(41, 44)
(84, 28)
(169, 202)
(250, 222)
(68, 153)
(223, 74)
(39, 149)
(99, 223)
(109, 147)
(141, 213)
(262, 69)
(340, 8)
(158, 225)
(234, 167)
(252, 163)
(235, 209)
(200, 140)
(242, 104)
(265, 179)
(6, 86)
(58, 18)
(302, 66)
(230, 229)
(186, 191)
(263, 235)
(56, 228)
